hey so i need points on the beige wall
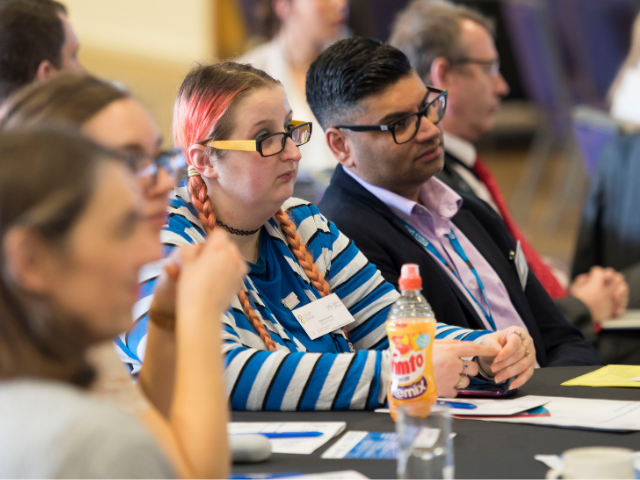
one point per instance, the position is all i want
(148, 45)
(170, 30)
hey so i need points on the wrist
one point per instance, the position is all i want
(163, 320)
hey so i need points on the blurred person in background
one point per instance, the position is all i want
(300, 30)
(74, 238)
(609, 234)
(452, 47)
(36, 42)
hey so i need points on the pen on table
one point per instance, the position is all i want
(468, 406)
(292, 434)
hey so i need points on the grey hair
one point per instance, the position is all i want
(428, 29)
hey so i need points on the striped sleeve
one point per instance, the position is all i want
(363, 290)
(297, 381)
(300, 381)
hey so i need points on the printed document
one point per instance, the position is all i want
(491, 407)
(295, 445)
(612, 415)
(609, 376)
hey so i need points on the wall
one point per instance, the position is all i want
(149, 45)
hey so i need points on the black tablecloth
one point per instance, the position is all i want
(482, 449)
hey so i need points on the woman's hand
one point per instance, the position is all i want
(449, 368)
(210, 275)
(207, 275)
(512, 359)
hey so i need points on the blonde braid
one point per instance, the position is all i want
(202, 202)
(304, 257)
(256, 322)
(200, 198)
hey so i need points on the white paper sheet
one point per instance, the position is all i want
(492, 407)
(614, 415)
(557, 463)
(629, 320)
(332, 475)
(346, 474)
(303, 446)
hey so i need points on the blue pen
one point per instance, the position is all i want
(467, 406)
(292, 434)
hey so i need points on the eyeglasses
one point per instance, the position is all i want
(267, 146)
(492, 67)
(405, 129)
(146, 166)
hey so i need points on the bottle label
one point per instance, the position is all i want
(410, 391)
(407, 380)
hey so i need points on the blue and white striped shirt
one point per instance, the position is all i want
(301, 374)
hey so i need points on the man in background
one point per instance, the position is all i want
(452, 47)
(36, 42)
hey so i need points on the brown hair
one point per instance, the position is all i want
(428, 29)
(31, 31)
(47, 178)
(204, 109)
(67, 98)
(267, 20)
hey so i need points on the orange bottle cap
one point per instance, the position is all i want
(410, 277)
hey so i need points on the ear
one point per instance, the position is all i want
(340, 145)
(45, 70)
(282, 8)
(27, 260)
(439, 72)
(201, 161)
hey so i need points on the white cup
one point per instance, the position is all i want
(595, 462)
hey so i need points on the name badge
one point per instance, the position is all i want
(521, 266)
(323, 316)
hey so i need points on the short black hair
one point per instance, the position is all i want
(347, 72)
(31, 31)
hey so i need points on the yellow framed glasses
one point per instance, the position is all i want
(268, 146)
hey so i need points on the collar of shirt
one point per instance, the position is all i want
(439, 203)
(461, 149)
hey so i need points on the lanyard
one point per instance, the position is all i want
(458, 248)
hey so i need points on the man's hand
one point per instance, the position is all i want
(512, 359)
(604, 291)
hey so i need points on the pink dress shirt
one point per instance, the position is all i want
(432, 218)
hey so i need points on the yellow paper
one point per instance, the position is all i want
(609, 376)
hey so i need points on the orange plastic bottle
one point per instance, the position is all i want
(411, 328)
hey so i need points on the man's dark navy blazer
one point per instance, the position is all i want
(382, 238)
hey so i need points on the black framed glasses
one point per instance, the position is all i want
(146, 166)
(492, 67)
(267, 146)
(404, 129)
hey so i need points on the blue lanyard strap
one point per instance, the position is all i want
(459, 250)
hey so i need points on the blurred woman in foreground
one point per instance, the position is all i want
(195, 419)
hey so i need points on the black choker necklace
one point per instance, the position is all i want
(235, 231)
